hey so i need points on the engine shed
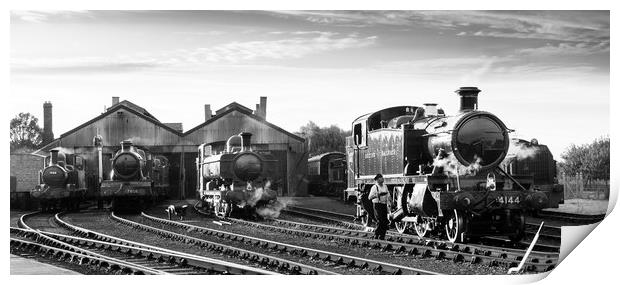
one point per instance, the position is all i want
(125, 120)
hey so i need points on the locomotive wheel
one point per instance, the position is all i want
(421, 227)
(401, 227)
(455, 226)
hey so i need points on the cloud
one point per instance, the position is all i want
(229, 53)
(579, 26)
(203, 33)
(79, 65)
(472, 70)
(567, 49)
(44, 16)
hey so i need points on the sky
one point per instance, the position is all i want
(544, 73)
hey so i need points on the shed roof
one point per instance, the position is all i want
(234, 106)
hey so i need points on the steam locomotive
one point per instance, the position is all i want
(62, 183)
(327, 174)
(236, 181)
(443, 171)
(137, 179)
(537, 165)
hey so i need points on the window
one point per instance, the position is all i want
(359, 135)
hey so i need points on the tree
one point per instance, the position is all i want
(321, 140)
(591, 161)
(25, 132)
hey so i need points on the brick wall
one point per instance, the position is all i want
(25, 167)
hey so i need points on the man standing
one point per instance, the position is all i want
(381, 199)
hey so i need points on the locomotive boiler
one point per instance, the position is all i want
(62, 183)
(136, 180)
(238, 180)
(443, 171)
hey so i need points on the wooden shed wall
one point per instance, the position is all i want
(119, 126)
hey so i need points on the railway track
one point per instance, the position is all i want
(547, 256)
(252, 256)
(336, 259)
(550, 236)
(119, 256)
(578, 219)
(537, 262)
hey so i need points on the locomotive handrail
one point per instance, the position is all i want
(511, 178)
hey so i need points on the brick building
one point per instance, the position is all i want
(24, 177)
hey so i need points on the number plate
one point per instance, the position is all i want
(508, 199)
(132, 191)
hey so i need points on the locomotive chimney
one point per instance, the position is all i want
(115, 100)
(48, 134)
(246, 140)
(469, 98)
(54, 156)
(208, 112)
(430, 109)
(126, 145)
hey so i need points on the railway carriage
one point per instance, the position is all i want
(327, 174)
(62, 182)
(237, 181)
(443, 171)
(137, 178)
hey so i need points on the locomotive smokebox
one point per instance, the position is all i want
(246, 140)
(469, 98)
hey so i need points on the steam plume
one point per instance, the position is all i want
(452, 167)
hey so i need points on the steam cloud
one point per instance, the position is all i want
(452, 167)
(521, 151)
(270, 210)
(518, 151)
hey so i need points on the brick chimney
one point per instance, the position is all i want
(263, 107)
(115, 100)
(208, 112)
(257, 111)
(48, 134)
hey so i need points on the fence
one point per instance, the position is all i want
(575, 187)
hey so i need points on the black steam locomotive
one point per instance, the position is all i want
(534, 161)
(137, 179)
(327, 174)
(238, 180)
(62, 183)
(443, 171)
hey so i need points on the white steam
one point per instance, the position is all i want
(452, 167)
(257, 194)
(520, 151)
(517, 151)
(272, 210)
